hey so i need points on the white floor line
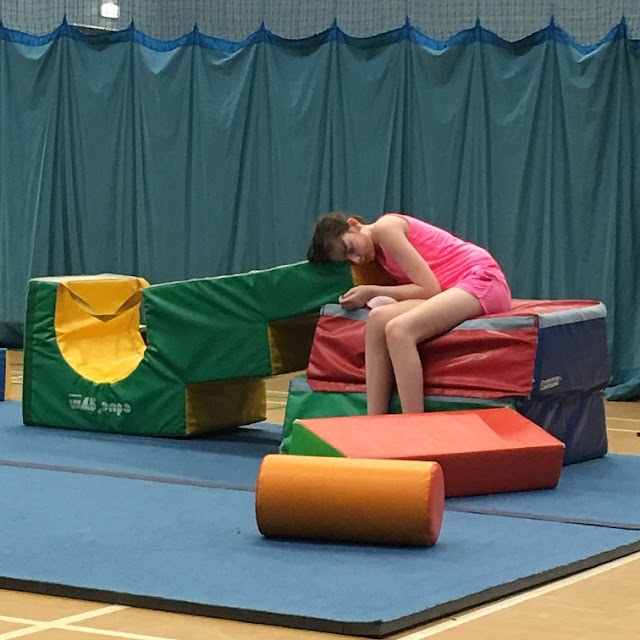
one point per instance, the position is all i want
(18, 620)
(61, 622)
(278, 394)
(481, 612)
(625, 430)
(110, 633)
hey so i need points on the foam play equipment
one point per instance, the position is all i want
(390, 502)
(545, 358)
(200, 366)
(304, 402)
(480, 451)
(5, 375)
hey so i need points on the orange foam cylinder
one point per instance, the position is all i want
(394, 502)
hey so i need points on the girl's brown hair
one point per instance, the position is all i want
(326, 230)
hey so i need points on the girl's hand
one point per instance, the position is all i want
(357, 297)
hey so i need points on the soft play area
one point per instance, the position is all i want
(200, 366)
(171, 525)
(311, 524)
(183, 389)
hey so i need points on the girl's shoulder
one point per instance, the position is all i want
(392, 220)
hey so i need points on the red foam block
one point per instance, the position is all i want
(480, 451)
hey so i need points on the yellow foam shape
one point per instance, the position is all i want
(7, 378)
(370, 273)
(97, 325)
(290, 342)
(221, 404)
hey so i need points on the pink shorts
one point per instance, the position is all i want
(490, 286)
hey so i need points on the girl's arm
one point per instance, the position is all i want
(390, 232)
(360, 295)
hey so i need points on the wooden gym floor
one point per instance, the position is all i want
(603, 603)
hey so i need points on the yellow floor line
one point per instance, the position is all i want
(439, 627)
(61, 622)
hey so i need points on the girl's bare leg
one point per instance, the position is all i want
(404, 332)
(379, 371)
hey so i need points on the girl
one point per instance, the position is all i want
(441, 281)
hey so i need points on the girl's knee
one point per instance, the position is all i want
(397, 331)
(377, 319)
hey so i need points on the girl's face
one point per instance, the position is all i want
(355, 246)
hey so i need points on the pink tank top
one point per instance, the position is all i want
(449, 257)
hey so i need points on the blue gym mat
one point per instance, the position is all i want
(170, 524)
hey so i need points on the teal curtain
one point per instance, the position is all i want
(199, 156)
